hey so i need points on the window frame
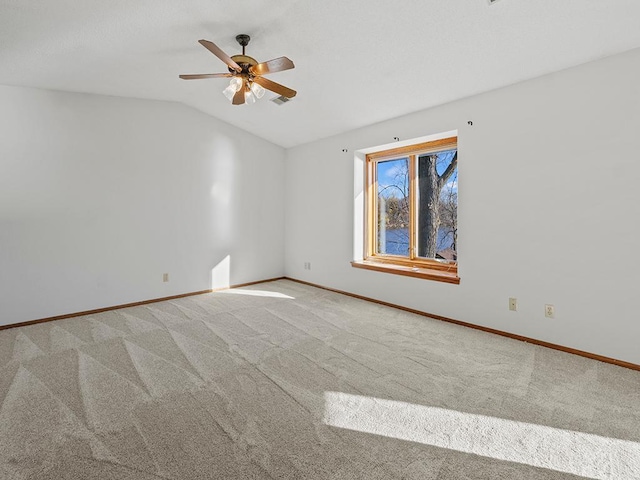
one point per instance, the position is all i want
(404, 265)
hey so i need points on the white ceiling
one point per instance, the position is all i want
(358, 62)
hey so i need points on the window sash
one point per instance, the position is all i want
(413, 152)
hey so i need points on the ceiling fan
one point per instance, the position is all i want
(247, 81)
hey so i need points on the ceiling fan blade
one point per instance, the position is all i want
(238, 98)
(275, 87)
(213, 48)
(205, 75)
(272, 66)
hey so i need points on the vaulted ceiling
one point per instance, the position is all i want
(358, 62)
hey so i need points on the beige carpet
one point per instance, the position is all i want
(282, 380)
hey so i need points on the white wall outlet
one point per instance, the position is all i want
(165, 277)
(513, 304)
(307, 265)
(549, 311)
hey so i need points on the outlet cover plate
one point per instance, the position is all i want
(549, 311)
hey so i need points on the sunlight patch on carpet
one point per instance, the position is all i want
(566, 451)
(256, 293)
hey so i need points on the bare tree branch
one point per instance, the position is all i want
(449, 171)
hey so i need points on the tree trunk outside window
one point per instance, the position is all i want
(430, 186)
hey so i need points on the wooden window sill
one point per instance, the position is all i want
(426, 273)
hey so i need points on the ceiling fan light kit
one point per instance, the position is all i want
(247, 82)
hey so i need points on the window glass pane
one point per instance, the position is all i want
(393, 207)
(437, 205)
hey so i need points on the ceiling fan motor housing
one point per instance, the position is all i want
(245, 61)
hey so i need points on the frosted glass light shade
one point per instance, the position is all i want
(229, 92)
(257, 90)
(249, 97)
(234, 85)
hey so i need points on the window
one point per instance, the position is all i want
(411, 211)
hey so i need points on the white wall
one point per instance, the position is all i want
(99, 196)
(549, 178)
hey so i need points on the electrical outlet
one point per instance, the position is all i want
(513, 304)
(307, 265)
(549, 311)
(165, 277)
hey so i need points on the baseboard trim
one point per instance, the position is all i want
(127, 305)
(513, 336)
